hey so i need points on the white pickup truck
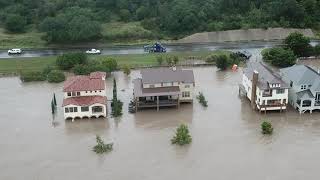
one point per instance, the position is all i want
(93, 51)
(14, 51)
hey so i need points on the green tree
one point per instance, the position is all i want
(222, 62)
(109, 65)
(116, 104)
(82, 69)
(299, 44)
(15, 23)
(279, 57)
(126, 70)
(32, 76)
(202, 100)
(69, 60)
(182, 136)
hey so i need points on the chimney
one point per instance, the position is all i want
(255, 78)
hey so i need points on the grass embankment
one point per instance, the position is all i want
(30, 39)
(113, 33)
(18, 65)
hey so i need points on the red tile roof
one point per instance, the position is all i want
(98, 75)
(84, 100)
(84, 83)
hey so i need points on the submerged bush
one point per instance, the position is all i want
(56, 76)
(266, 128)
(202, 100)
(32, 76)
(182, 136)
(101, 147)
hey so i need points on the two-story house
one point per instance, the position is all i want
(304, 81)
(85, 96)
(264, 88)
(159, 87)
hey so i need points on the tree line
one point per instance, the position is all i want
(80, 20)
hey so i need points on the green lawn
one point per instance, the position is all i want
(16, 65)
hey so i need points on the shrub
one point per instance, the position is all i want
(15, 23)
(175, 60)
(101, 147)
(47, 70)
(202, 100)
(116, 104)
(222, 62)
(299, 44)
(169, 60)
(160, 60)
(279, 57)
(82, 69)
(182, 136)
(266, 127)
(109, 65)
(211, 59)
(56, 76)
(126, 70)
(69, 60)
(32, 76)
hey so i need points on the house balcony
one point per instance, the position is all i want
(162, 103)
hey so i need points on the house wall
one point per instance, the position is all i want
(83, 114)
(275, 96)
(247, 83)
(186, 87)
(87, 93)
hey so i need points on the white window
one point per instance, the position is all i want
(186, 94)
(66, 110)
(73, 93)
(151, 86)
(303, 87)
(78, 93)
(69, 93)
(85, 109)
(187, 86)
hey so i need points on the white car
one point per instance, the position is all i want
(14, 51)
(93, 51)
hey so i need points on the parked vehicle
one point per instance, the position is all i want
(14, 51)
(93, 51)
(244, 54)
(155, 48)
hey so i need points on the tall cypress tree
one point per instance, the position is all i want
(52, 107)
(115, 98)
(54, 99)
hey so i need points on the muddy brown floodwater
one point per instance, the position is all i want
(227, 142)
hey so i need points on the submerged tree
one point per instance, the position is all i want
(202, 99)
(101, 147)
(266, 127)
(182, 136)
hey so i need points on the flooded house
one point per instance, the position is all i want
(163, 87)
(85, 96)
(264, 88)
(304, 81)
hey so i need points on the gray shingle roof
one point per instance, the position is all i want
(306, 94)
(302, 75)
(166, 75)
(266, 75)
